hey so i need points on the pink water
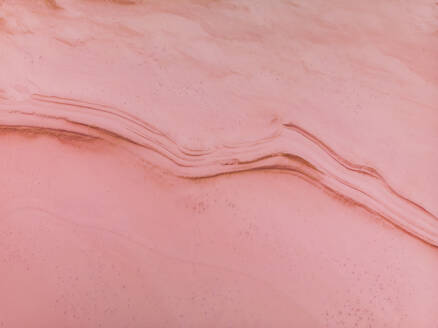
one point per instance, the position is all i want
(218, 163)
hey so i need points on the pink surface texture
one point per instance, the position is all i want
(218, 163)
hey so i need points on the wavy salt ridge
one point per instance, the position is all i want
(290, 149)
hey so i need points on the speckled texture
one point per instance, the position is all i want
(218, 163)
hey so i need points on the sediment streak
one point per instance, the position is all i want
(290, 149)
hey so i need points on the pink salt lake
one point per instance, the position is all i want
(195, 163)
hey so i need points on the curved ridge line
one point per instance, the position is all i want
(133, 119)
(232, 165)
(354, 167)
